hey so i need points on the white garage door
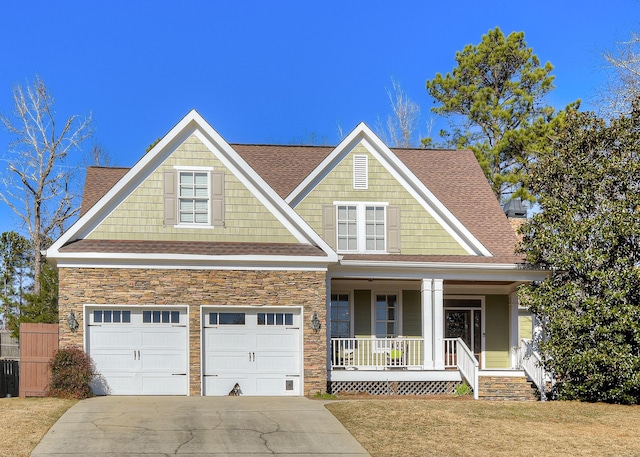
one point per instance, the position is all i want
(138, 350)
(259, 349)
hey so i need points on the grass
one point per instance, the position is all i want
(417, 427)
(25, 421)
(456, 427)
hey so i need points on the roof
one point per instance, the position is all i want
(97, 183)
(192, 248)
(456, 179)
(453, 176)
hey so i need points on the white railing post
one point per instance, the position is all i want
(438, 323)
(426, 292)
(377, 353)
(458, 355)
(532, 366)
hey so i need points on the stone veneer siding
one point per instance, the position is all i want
(112, 286)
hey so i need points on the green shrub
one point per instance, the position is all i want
(71, 372)
(462, 390)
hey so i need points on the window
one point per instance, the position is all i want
(340, 318)
(347, 228)
(374, 223)
(386, 315)
(160, 317)
(111, 316)
(194, 197)
(226, 319)
(275, 318)
(193, 204)
(361, 227)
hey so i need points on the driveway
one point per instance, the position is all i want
(197, 426)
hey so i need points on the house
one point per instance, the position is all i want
(291, 270)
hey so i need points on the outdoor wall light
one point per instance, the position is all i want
(72, 322)
(315, 323)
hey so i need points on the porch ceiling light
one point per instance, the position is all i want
(72, 322)
(315, 323)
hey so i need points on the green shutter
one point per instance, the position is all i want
(393, 229)
(362, 313)
(329, 225)
(217, 198)
(411, 313)
(170, 198)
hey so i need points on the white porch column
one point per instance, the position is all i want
(438, 324)
(427, 323)
(514, 328)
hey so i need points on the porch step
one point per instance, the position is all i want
(506, 388)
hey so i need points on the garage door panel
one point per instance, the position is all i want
(168, 338)
(105, 337)
(262, 354)
(219, 339)
(227, 363)
(222, 385)
(162, 363)
(277, 385)
(138, 356)
(116, 383)
(162, 384)
(274, 362)
(110, 360)
(286, 341)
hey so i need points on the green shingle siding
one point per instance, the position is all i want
(421, 234)
(140, 216)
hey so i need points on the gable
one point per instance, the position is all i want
(421, 233)
(363, 137)
(140, 216)
(228, 216)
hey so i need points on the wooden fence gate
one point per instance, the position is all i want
(38, 343)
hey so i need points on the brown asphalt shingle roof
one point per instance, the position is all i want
(98, 182)
(192, 248)
(454, 177)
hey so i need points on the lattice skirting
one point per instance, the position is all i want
(394, 387)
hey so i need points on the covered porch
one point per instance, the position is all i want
(427, 335)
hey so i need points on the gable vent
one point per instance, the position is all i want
(360, 172)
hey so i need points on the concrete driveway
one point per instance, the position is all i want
(197, 426)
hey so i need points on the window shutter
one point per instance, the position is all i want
(360, 172)
(393, 229)
(329, 225)
(170, 198)
(217, 198)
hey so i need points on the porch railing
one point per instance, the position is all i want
(458, 355)
(376, 353)
(532, 365)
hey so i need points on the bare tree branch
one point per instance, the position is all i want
(402, 123)
(623, 84)
(36, 183)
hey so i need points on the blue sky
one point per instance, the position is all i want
(275, 71)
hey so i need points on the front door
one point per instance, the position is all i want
(467, 325)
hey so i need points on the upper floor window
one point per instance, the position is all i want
(194, 196)
(193, 203)
(361, 227)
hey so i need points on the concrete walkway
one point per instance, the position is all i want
(197, 426)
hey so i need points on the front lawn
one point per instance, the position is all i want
(453, 427)
(25, 421)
